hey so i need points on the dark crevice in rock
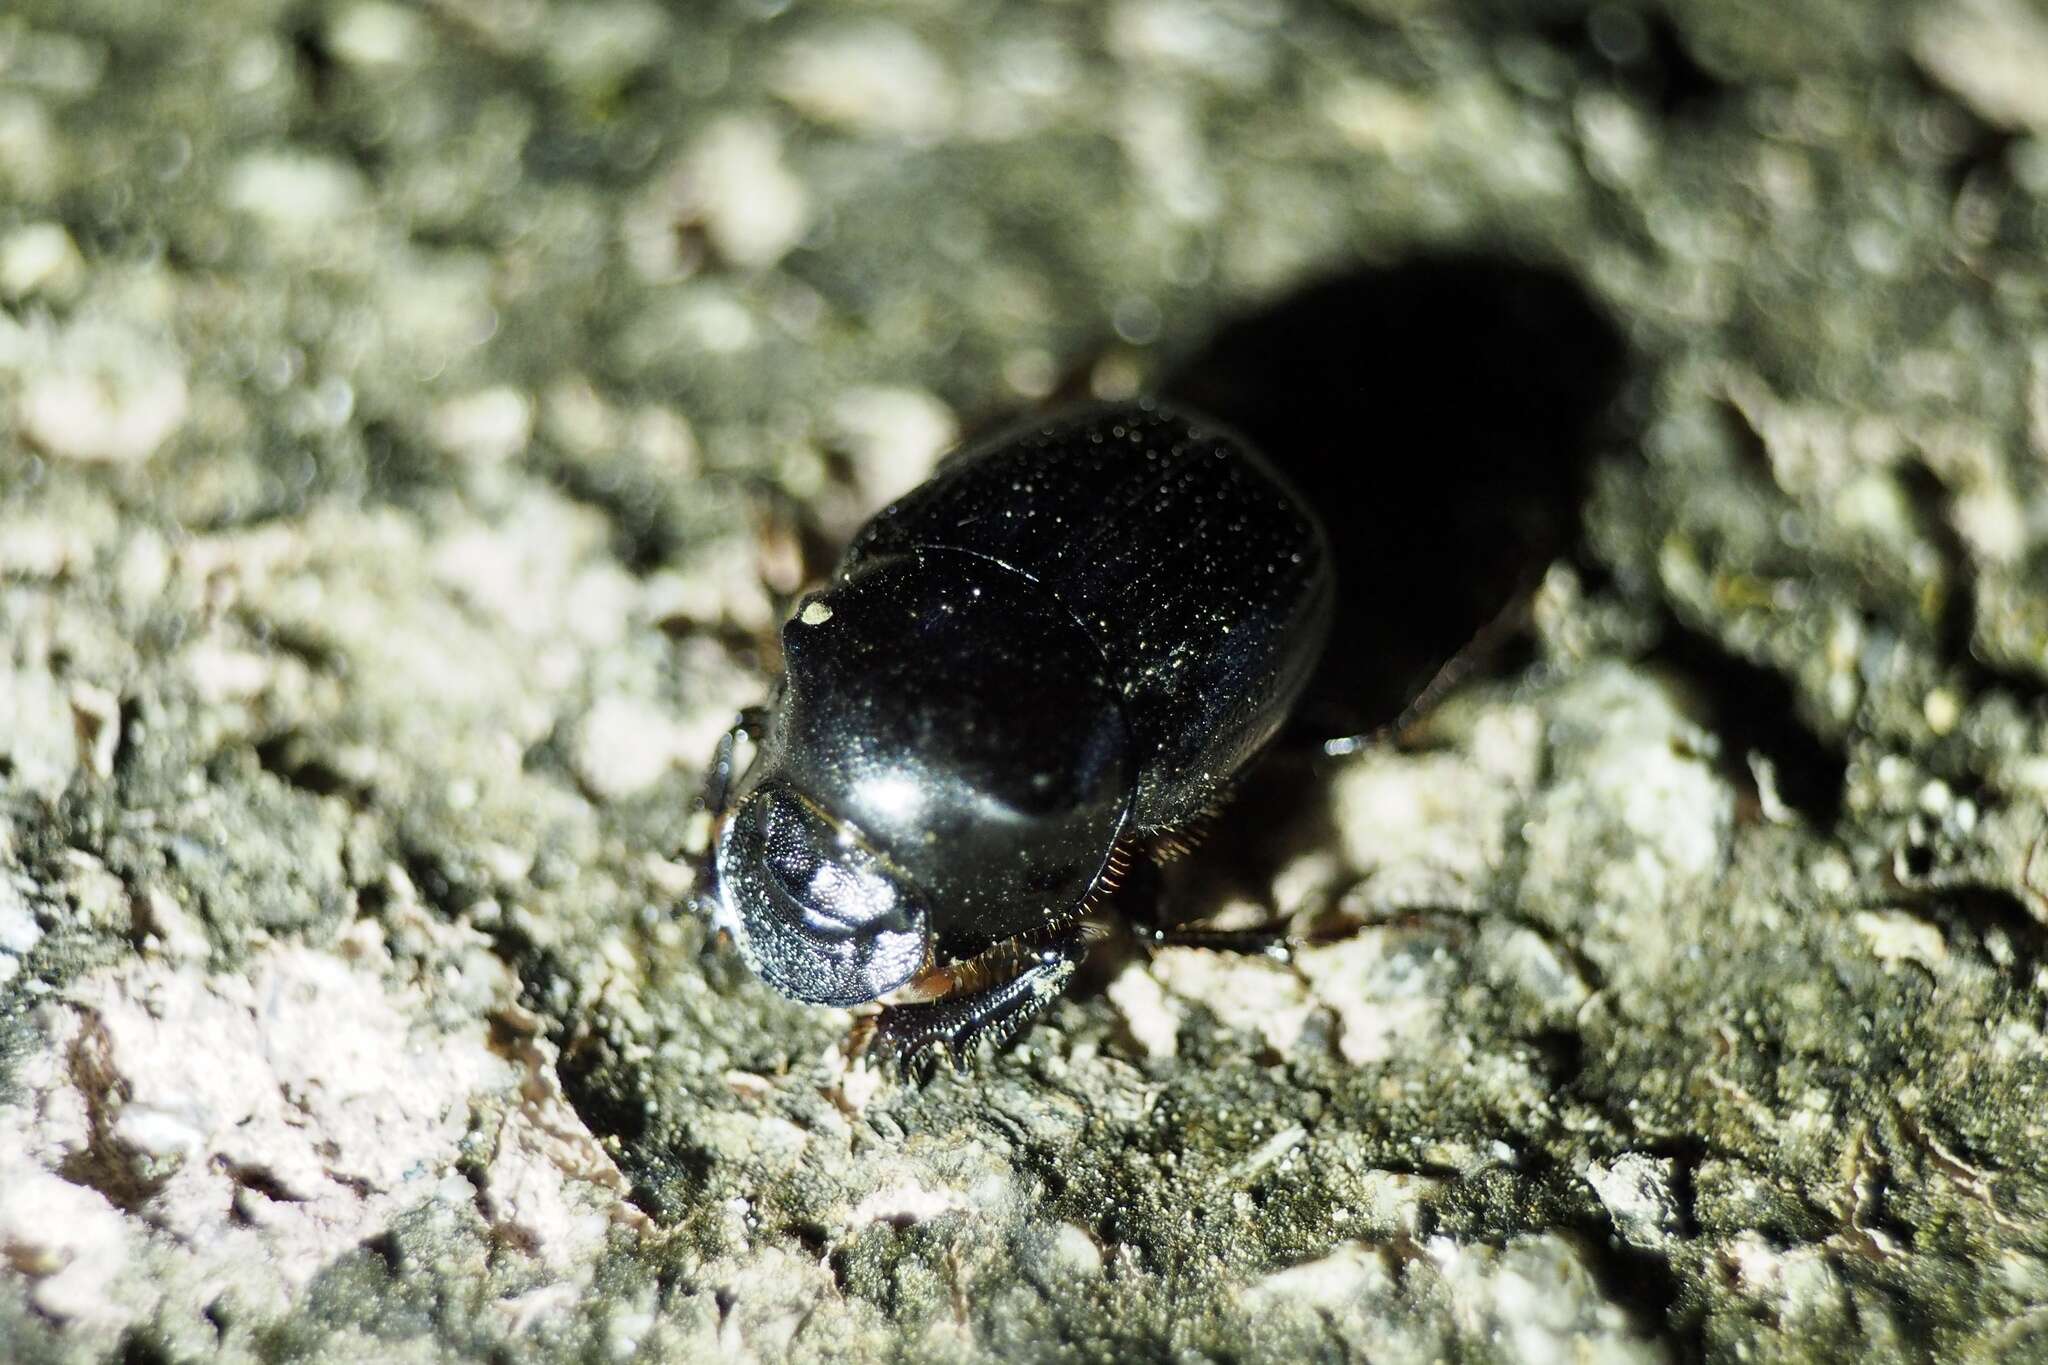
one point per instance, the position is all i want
(1640, 51)
(815, 1240)
(587, 1085)
(140, 1347)
(446, 890)
(633, 498)
(315, 60)
(289, 756)
(1952, 635)
(1685, 1152)
(1646, 1283)
(386, 1248)
(304, 643)
(666, 1173)
(1982, 151)
(1934, 516)
(1752, 456)
(1562, 1053)
(261, 1180)
(1755, 709)
(400, 471)
(1990, 916)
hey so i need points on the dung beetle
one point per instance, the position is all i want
(1053, 658)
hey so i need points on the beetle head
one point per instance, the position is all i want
(818, 915)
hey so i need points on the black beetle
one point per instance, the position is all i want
(1052, 658)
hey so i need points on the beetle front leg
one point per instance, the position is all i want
(714, 801)
(718, 781)
(907, 1035)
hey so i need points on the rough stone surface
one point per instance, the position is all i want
(412, 419)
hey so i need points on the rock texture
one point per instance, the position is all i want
(412, 419)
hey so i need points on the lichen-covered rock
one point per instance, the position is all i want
(411, 419)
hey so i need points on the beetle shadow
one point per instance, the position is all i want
(1441, 414)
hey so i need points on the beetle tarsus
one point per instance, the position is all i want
(718, 781)
(912, 1037)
